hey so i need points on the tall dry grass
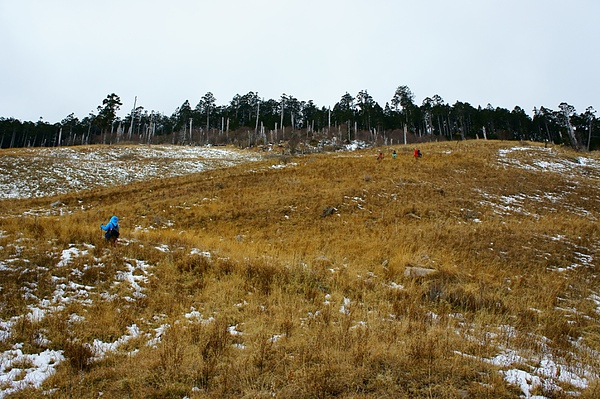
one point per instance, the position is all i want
(306, 291)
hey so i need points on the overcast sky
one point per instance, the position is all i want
(65, 56)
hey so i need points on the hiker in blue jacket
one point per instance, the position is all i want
(112, 229)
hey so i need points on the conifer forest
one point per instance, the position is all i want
(249, 120)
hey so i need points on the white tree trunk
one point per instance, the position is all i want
(132, 117)
(589, 134)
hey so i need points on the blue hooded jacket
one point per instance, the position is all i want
(113, 224)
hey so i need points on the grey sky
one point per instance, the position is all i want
(65, 56)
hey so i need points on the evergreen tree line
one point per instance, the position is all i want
(248, 120)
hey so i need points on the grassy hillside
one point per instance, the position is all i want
(470, 272)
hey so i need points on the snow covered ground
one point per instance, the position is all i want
(569, 173)
(548, 160)
(60, 170)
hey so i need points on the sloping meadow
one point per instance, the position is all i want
(39, 172)
(469, 272)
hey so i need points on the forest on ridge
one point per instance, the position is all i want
(249, 120)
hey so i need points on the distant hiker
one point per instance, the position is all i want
(394, 154)
(112, 229)
(417, 153)
(380, 156)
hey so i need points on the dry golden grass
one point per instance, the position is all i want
(303, 292)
